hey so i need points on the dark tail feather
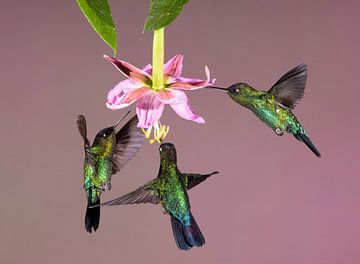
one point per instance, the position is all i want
(304, 138)
(92, 216)
(193, 235)
(189, 236)
(177, 229)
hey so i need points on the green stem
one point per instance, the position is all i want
(158, 60)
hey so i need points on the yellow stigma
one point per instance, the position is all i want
(160, 132)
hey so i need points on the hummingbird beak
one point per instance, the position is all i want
(217, 88)
(118, 122)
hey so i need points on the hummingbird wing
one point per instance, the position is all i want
(192, 179)
(81, 124)
(289, 89)
(128, 142)
(144, 194)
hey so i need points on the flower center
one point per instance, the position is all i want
(158, 87)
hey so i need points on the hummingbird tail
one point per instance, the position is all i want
(92, 216)
(187, 236)
(304, 138)
(179, 237)
(193, 234)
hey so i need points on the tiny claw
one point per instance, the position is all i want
(279, 132)
(106, 186)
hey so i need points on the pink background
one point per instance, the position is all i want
(273, 201)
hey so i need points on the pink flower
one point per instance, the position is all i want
(151, 101)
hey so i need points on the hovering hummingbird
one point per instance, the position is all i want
(274, 107)
(170, 190)
(109, 152)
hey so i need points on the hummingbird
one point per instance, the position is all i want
(109, 152)
(274, 107)
(170, 190)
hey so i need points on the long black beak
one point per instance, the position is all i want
(217, 88)
(117, 123)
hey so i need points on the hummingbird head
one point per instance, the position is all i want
(167, 152)
(233, 90)
(237, 89)
(239, 92)
(105, 136)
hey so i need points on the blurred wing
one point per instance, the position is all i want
(289, 90)
(128, 142)
(81, 124)
(144, 194)
(191, 179)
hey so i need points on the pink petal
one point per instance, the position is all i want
(185, 111)
(182, 83)
(171, 96)
(148, 69)
(130, 71)
(173, 67)
(121, 97)
(207, 72)
(117, 94)
(126, 86)
(149, 110)
(188, 84)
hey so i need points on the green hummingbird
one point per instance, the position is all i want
(274, 106)
(109, 152)
(170, 190)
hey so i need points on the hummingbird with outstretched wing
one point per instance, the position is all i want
(274, 107)
(109, 153)
(170, 190)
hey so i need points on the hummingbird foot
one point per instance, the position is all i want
(279, 132)
(106, 186)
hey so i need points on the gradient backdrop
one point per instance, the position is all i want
(273, 202)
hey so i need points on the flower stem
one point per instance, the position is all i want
(158, 59)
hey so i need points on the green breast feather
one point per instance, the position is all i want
(173, 195)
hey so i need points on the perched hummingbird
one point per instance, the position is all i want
(170, 190)
(109, 152)
(274, 107)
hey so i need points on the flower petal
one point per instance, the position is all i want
(171, 96)
(130, 71)
(115, 96)
(185, 111)
(182, 83)
(149, 110)
(120, 97)
(126, 86)
(188, 84)
(173, 67)
(148, 69)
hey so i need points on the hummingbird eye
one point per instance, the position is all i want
(107, 132)
(233, 90)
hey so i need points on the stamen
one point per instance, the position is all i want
(159, 134)
(147, 132)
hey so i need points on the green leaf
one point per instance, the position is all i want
(162, 13)
(98, 13)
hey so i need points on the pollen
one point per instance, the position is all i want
(159, 132)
